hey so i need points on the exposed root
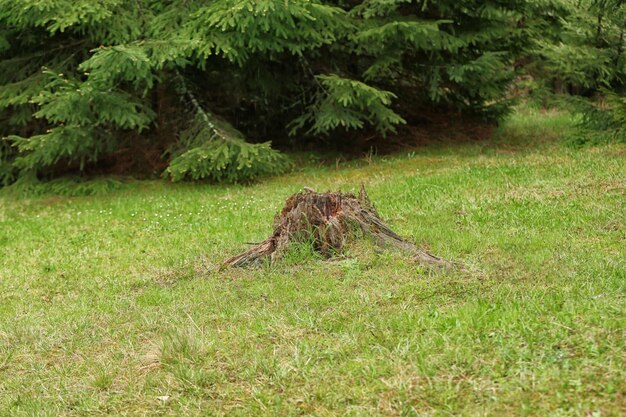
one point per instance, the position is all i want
(329, 220)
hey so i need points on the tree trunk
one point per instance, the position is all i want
(329, 221)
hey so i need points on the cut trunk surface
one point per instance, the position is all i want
(329, 220)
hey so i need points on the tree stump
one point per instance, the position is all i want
(329, 220)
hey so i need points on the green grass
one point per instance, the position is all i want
(110, 304)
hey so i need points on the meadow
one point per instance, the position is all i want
(112, 303)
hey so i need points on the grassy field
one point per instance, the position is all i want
(111, 305)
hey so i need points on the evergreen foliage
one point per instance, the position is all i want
(81, 78)
(350, 104)
(602, 123)
(579, 45)
(212, 149)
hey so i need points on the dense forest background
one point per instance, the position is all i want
(194, 89)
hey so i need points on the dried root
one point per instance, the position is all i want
(329, 220)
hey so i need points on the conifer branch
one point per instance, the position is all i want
(196, 104)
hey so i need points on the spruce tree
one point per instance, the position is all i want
(80, 80)
(578, 46)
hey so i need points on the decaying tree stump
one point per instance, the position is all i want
(329, 220)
